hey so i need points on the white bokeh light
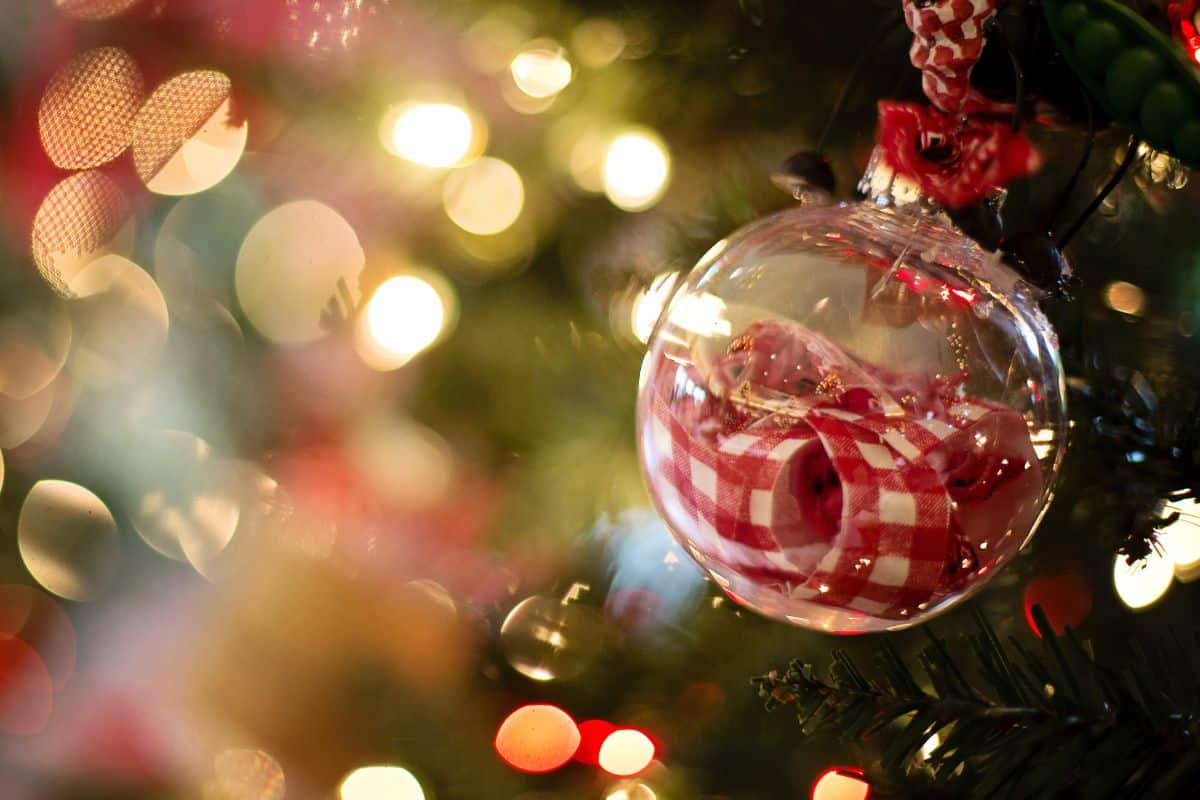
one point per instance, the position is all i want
(637, 168)
(405, 316)
(432, 134)
(381, 783)
(1143, 583)
(541, 69)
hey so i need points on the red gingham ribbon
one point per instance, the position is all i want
(948, 41)
(843, 497)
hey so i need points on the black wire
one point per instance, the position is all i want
(1064, 196)
(890, 24)
(1126, 163)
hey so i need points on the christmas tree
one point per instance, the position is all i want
(329, 330)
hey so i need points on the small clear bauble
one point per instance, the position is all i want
(851, 415)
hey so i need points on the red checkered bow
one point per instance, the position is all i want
(796, 465)
(948, 41)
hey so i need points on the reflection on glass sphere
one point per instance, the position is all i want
(838, 416)
(545, 639)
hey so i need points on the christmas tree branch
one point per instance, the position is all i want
(1011, 722)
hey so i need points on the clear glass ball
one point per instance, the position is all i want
(852, 417)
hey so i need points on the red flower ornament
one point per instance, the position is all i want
(954, 160)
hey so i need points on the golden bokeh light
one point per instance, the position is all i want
(206, 158)
(85, 216)
(1141, 584)
(484, 198)
(67, 539)
(537, 738)
(637, 169)
(541, 69)
(381, 783)
(1125, 298)
(184, 506)
(86, 115)
(436, 135)
(35, 341)
(245, 774)
(649, 304)
(296, 259)
(406, 315)
(21, 418)
(597, 41)
(120, 321)
(94, 9)
(405, 462)
(626, 752)
(587, 159)
(627, 790)
(490, 42)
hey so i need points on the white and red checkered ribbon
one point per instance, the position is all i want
(948, 41)
(814, 477)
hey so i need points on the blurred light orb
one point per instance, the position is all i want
(626, 752)
(597, 41)
(537, 738)
(1181, 540)
(546, 639)
(841, 783)
(94, 9)
(33, 616)
(489, 44)
(296, 260)
(184, 506)
(245, 774)
(205, 158)
(68, 539)
(404, 316)
(35, 340)
(631, 791)
(26, 690)
(592, 734)
(484, 198)
(1125, 298)
(435, 135)
(649, 303)
(405, 462)
(381, 783)
(1143, 583)
(541, 69)
(85, 118)
(120, 320)
(637, 169)
(85, 216)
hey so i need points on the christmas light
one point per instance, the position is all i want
(404, 316)
(381, 783)
(626, 752)
(284, 302)
(637, 168)
(67, 539)
(1143, 583)
(484, 198)
(541, 69)
(537, 738)
(841, 783)
(1125, 298)
(431, 134)
(1181, 540)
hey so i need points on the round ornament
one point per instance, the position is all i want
(852, 416)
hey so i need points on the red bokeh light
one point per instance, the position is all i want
(841, 783)
(1066, 599)
(592, 734)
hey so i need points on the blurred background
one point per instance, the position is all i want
(316, 400)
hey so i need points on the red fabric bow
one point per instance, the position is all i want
(954, 160)
(840, 495)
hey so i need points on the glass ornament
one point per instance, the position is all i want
(546, 639)
(851, 415)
